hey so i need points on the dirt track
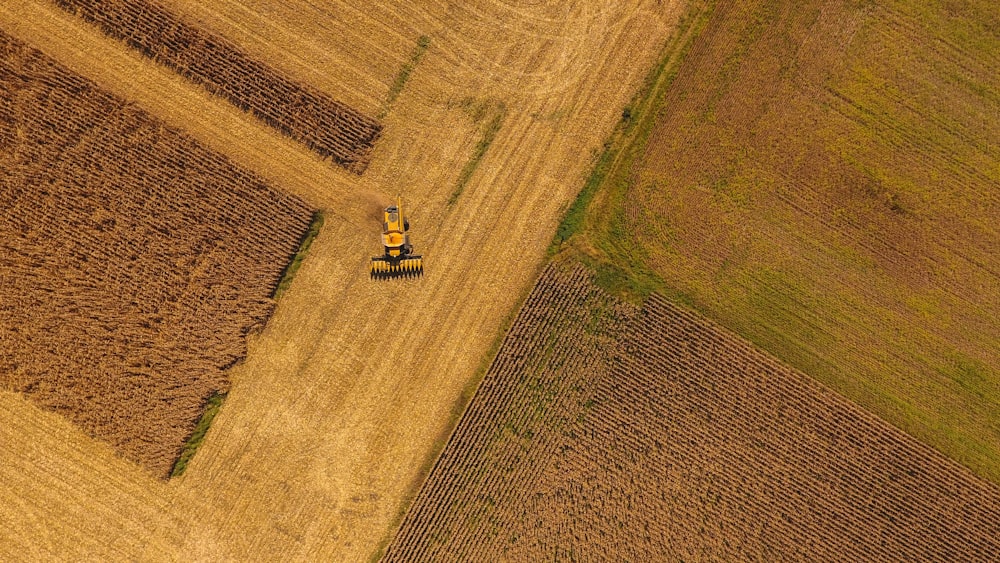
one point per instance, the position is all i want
(343, 396)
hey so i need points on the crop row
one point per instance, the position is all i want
(522, 411)
(772, 462)
(135, 261)
(325, 125)
(666, 438)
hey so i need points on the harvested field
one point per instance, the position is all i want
(823, 180)
(133, 261)
(326, 126)
(604, 432)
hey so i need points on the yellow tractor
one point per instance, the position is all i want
(399, 259)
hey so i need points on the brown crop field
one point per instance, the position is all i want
(347, 395)
(309, 116)
(605, 432)
(135, 262)
(823, 180)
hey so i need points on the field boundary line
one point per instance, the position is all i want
(298, 110)
(465, 400)
(318, 218)
(632, 132)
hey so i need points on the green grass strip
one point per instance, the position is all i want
(404, 73)
(631, 135)
(595, 214)
(212, 407)
(293, 266)
(489, 133)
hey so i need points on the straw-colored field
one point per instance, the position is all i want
(347, 394)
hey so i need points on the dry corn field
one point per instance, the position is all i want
(604, 432)
(133, 261)
(309, 116)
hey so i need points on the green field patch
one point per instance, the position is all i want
(814, 177)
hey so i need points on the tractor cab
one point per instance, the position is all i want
(398, 259)
(393, 232)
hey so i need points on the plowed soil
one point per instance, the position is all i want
(134, 261)
(604, 432)
(309, 116)
(346, 396)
